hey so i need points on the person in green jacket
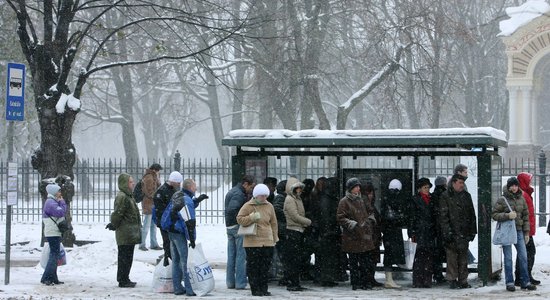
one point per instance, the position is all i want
(126, 222)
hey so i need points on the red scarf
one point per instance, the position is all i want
(426, 198)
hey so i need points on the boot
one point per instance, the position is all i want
(389, 282)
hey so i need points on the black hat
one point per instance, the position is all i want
(155, 167)
(422, 182)
(512, 181)
(440, 180)
(352, 182)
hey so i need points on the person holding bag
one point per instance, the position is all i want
(259, 246)
(512, 206)
(53, 211)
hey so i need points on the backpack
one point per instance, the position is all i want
(138, 192)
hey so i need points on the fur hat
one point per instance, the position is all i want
(351, 183)
(52, 189)
(260, 189)
(175, 177)
(512, 181)
(422, 182)
(395, 185)
(440, 180)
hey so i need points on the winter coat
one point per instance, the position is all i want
(150, 184)
(357, 223)
(294, 207)
(55, 209)
(328, 207)
(393, 219)
(517, 203)
(524, 184)
(278, 205)
(162, 198)
(234, 200)
(440, 249)
(327, 255)
(180, 223)
(266, 226)
(422, 225)
(125, 216)
(457, 219)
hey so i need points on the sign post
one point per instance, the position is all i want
(15, 111)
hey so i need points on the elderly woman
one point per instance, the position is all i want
(259, 247)
(512, 206)
(53, 213)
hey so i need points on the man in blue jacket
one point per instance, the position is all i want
(235, 276)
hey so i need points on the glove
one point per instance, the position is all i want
(512, 215)
(201, 197)
(351, 224)
(166, 261)
(526, 239)
(255, 216)
(192, 244)
(110, 226)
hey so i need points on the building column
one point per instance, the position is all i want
(512, 122)
(534, 119)
(526, 116)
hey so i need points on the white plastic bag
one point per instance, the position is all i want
(200, 272)
(410, 251)
(61, 258)
(162, 278)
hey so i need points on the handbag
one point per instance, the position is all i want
(63, 226)
(505, 231)
(247, 230)
(61, 257)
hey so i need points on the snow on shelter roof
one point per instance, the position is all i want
(466, 138)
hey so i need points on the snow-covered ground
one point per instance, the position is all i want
(91, 272)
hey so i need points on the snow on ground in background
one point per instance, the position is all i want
(90, 272)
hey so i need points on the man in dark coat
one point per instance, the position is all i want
(458, 224)
(162, 197)
(278, 205)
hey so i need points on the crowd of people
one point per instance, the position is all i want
(275, 227)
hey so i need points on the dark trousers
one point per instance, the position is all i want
(531, 252)
(360, 265)
(423, 267)
(258, 263)
(293, 257)
(165, 244)
(125, 259)
(281, 248)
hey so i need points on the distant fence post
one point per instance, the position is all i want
(542, 189)
(177, 161)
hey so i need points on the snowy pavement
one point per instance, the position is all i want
(91, 271)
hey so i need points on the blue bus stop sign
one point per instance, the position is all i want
(15, 92)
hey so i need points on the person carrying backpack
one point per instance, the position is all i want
(161, 200)
(144, 192)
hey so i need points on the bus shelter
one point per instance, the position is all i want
(379, 156)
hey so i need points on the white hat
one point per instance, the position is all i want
(260, 189)
(52, 189)
(175, 177)
(395, 185)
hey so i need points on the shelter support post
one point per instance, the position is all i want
(542, 189)
(484, 219)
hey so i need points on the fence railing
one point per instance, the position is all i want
(95, 181)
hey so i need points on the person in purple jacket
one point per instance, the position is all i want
(53, 211)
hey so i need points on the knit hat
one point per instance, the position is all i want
(52, 189)
(512, 181)
(155, 167)
(422, 182)
(440, 180)
(395, 185)
(351, 183)
(260, 189)
(175, 177)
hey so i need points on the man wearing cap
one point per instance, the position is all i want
(357, 235)
(457, 221)
(150, 183)
(161, 200)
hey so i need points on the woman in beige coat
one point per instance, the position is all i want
(259, 247)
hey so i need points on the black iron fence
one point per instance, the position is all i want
(95, 180)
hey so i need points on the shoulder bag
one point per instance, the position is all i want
(248, 230)
(505, 232)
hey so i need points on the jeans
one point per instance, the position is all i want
(235, 276)
(148, 226)
(522, 260)
(178, 249)
(50, 272)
